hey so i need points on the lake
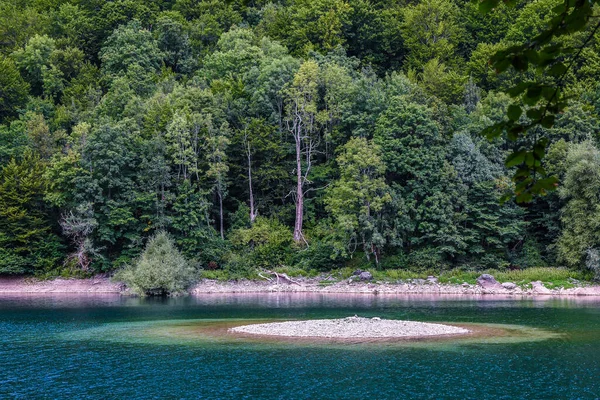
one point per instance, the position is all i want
(101, 347)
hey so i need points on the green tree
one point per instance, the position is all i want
(308, 24)
(580, 215)
(430, 30)
(27, 241)
(128, 46)
(160, 270)
(356, 200)
(13, 89)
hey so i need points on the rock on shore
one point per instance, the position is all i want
(351, 328)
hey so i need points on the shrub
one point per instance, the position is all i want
(161, 269)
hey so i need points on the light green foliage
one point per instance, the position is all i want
(130, 45)
(441, 82)
(237, 52)
(580, 216)
(184, 142)
(308, 24)
(357, 199)
(34, 60)
(160, 269)
(532, 20)
(430, 30)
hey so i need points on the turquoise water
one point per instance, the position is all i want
(101, 347)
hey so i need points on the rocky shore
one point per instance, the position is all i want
(414, 287)
(96, 285)
(103, 284)
(350, 328)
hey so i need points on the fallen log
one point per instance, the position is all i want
(279, 278)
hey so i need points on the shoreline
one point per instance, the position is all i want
(103, 285)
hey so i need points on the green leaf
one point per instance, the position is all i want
(518, 89)
(493, 131)
(533, 94)
(502, 65)
(532, 56)
(529, 159)
(514, 112)
(548, 92)
(557, 70)
(515, 159)
(539, 150)
(548, 121)
(520, 62)
(534, 114)
(550, 183)
(513, 133)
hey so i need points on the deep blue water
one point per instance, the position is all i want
(102, 347)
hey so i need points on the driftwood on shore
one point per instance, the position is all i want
(279, 278)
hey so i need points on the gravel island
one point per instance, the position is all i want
(350, 328)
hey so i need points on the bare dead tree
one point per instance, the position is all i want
(247, 148)
(301, 123)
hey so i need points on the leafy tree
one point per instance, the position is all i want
(430, 30)
(160, 269)
(412, 149)
(27, 241)
(580, 216)
(34, 60)
(308, 24)
(439, 81)
(13, 89)
(128, 46)
(173, 37)
(357, 199)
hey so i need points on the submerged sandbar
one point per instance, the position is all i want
(351, 328)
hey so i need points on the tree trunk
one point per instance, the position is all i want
(252, 208)
(221, 214)
(298, 237)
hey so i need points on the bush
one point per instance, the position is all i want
(161, 269)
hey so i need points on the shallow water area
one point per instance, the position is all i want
(117, 347)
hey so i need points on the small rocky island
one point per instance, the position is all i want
(351, 328)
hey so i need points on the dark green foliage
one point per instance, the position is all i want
(27, 241)
(13, 89)
(265, 243)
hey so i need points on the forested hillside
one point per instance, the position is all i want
(308, 133)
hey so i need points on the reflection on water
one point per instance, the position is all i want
(107, 346)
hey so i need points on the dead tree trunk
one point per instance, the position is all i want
(298, 237)
(253, 212)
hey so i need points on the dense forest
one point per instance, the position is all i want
(307, 133)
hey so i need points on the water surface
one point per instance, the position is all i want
(117, 347)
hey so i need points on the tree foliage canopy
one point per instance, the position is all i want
(310, 133)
